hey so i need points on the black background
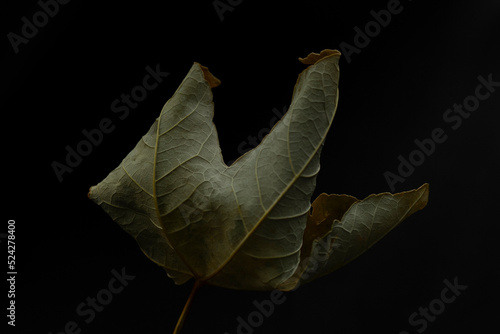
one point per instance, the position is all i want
(392, 92)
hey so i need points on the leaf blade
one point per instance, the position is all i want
(354, 231)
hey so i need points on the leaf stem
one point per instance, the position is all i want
(180, 322)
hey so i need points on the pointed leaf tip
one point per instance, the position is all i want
(211, 79)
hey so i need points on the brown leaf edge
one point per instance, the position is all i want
(314, 57)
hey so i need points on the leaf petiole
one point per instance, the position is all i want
(197, 285)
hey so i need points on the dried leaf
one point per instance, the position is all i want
(248, 225)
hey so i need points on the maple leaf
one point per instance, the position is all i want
(248, 225)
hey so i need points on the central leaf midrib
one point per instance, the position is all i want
(155, 198)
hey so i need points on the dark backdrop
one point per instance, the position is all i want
(394, 89)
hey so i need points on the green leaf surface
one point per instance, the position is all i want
(248, 225)
(238, 226)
